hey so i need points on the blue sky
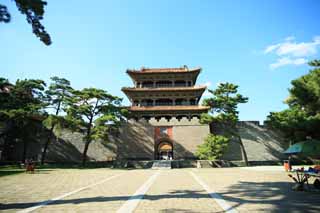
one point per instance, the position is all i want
(259, 45)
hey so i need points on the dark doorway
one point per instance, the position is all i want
(164, 151)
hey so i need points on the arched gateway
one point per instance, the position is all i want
(164, 150)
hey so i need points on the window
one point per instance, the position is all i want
(147, 84)
(164, 102)
(135, 103)
(192, 102)
(180, 83)
(163, 131)
(164, 84)
(147, 102)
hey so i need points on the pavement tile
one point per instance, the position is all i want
(263, 189)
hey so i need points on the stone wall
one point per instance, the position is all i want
(261, 143)
(135, 141)
(136, 138)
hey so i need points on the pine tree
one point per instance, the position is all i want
(223, 111)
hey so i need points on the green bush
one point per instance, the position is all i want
(212, 148)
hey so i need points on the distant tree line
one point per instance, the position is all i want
(27, 103)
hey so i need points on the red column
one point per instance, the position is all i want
(169, 131)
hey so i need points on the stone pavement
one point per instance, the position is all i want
(257, 190)
(25, 190)
(106, 197)
(171, 191)
(176, 191)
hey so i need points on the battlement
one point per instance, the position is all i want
(173, 121)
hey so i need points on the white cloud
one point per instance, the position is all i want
(270, 48)
(287, 61)
(291, 48)
(290, 38)
(292, 52)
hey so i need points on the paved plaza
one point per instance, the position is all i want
(260, 189)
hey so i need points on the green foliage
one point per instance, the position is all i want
(212, 148)
(305, 92)
(58, 91)
(223, 108)
(5, 87)
(291, 121)
(34, 11)
(4, 14)
(55, 124)
(25, 97)
(57, 97)
(302, 118)
(314, 63)
(21, 106)
(223, 105)
(96, 112)
(23, 103)
(92, 105)
(225, 99)
(206, 118)
(3, 83)
(223, 113)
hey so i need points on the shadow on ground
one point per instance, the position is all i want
(10, 172)
(181, 194)
(278, 197)
(4, 172)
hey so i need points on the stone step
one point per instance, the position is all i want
(162, 164)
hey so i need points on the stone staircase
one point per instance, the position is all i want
(161, 164)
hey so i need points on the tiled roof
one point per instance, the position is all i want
(165, 88)
(163, 70)
(168, 108)
(180, 69)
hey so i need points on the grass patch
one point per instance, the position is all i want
(89, 165)
(6, 167)
(10, 172)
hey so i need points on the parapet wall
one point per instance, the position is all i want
(175, 122)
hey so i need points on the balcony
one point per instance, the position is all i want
(163, 84)
(165, 102)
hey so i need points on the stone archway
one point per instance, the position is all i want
(164, 150)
